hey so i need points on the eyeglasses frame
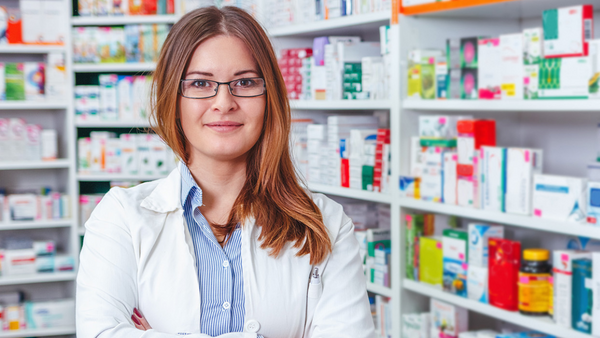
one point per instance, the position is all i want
(219, 86)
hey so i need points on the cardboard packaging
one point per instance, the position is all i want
(493, 178)
(49, 144)
(593, 203)
(416, 325)
(479, 235)
(489, 74)
(582, 300)
(531, 83)
(564, 78)
(17, 138)
(414, 230)
(563, 283)
(441, 78)
(54, 314)
(504, 265)
(15, 81)
(34, 81)
(595, 291)
(567, 31)
(477, 284)
(431, 258)
(533, 46)
(521, 165)
(511, 49)
(455, 247)
(56, 76)
(472, 135)
(33, 147)
(559, 198)
(453, 53)
(469, 89)
(449, 178)
(468, 53)
(19, 262)
(447, 320)
(594, 82)
(464, 191)
(109, 109)
(420, 61)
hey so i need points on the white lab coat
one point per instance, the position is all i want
(139, 253)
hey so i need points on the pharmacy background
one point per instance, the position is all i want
(462, 137)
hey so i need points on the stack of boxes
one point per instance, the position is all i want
(455, 250)
(26, 142)
(318, 150)
(477, 276)
(382, 170)
(293, 68)
(352, 78)
(362, 158)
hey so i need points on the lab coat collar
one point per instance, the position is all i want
(166, 197)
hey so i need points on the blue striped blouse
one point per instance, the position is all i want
(220, 273)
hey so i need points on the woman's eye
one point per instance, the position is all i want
(200, 84)
(245, 83)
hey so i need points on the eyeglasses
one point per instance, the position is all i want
(204, 89)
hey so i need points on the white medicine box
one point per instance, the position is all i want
(559, 198)
(521, 165)
(479, 234)
(567, 31)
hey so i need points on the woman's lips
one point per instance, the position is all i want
(224, 126)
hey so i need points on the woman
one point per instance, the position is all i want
(229, 244)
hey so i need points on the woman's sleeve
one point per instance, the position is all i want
(107, 283)
(343, 311)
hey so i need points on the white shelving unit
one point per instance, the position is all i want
(114, 67)
(32, 175)
(38, 332)
(566, 130)
(18, 165)
(122, 20)
(116, 177)
(366, 26)
(112, 124)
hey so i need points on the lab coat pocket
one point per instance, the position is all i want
(315, 290)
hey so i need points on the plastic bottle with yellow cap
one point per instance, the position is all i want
(534, 282)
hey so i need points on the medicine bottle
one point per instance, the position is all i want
(534, 283)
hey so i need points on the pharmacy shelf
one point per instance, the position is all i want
(31, 49)
(122, 20)
(33, 105)
(58, 331)
(543, 324)
(116, 177)
(38, 278)
(340, 104)
(351, 193)
(380, 290)
(535, 223)
(114, 67)
(18, 165)
(332, 26)
(13, 225)
(491, 9)
(504, 105)
(112, 124)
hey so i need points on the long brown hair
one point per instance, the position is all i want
(271, 193)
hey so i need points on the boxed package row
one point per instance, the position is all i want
(559, 60)
(23, 256)
(336, 68)
(132, 43)
(349, 151)
(451, 321)
(381, 310)
(34, 22)
(129, 154)
(277, 13)
(455, 160)
(48, 205)
(20, 141)
(480, 264)
(18, 314)
(125, 7)
(117, 98)
(34, 81)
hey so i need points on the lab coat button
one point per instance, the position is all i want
(252, 326)
(226, 305)
(225, 264)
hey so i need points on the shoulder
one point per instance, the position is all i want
(332, 212)
(132, 197)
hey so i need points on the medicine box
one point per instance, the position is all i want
(468, 52)
(447, 320)
(465, 188)
(431, 260)
(441, 78)
(410, 187)
(15, 81)
(521, 165)
(564, 78)
(493, 178)
(489, 74)
(49, 144)
(533, 46)
(567, 31)
(511, 66)
(449, 178)
(582, 299)
(431, 186)
(560, 198)
(479, 235)
(453, 53)
(472, 135)
(422, 62)
(477, 285)
(595, 291)
(469, 89)
(531, 83)
(34, 73)
(455, 247)
(416, 325)
(529, 334)
(593, 203)
(437, 127)
(563, 283)
(594, 82)
(19, 262)
(53, 314)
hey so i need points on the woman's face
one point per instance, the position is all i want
(223, 127)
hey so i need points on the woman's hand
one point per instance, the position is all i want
(139, 321)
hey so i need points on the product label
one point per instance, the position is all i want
(534, 292)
